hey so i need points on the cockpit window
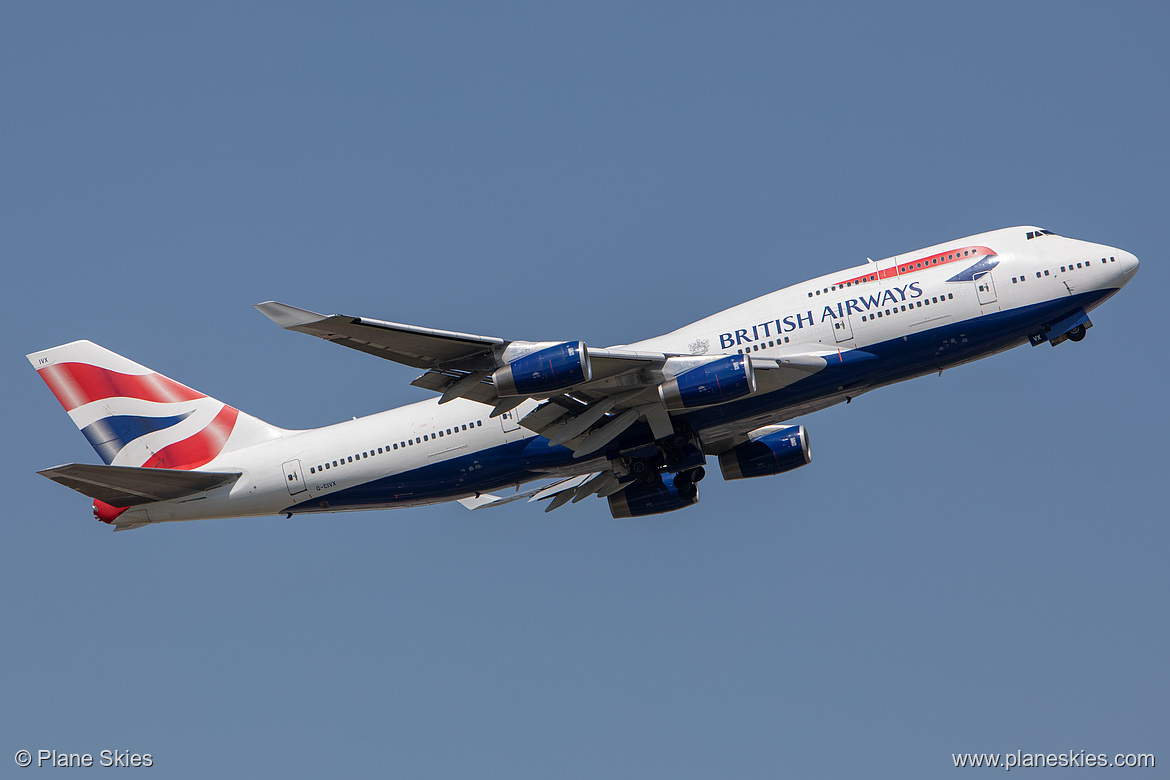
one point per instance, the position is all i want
(1037, 233)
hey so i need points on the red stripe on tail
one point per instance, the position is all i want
(200, 449)
(77, 384)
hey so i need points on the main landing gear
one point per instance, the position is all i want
(678, 457)
(685, 481)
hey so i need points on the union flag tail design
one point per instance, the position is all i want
(134, 416)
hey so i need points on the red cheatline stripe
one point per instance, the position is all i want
(200, 449)
(77, 384)
(942, 258)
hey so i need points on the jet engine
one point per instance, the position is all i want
(545, 371)
(783, 449)
(641, 499)
(716, 382)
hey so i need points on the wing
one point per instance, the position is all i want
(616, 387)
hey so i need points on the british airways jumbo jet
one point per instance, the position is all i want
(633, 424)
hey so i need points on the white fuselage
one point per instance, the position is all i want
(883, 322)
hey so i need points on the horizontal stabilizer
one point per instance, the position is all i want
(122, 486)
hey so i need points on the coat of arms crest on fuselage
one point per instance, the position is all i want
(699, 346)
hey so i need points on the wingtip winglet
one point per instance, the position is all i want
(288, 316)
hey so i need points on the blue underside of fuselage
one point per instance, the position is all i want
(853, 370)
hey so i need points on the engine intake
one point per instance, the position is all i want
(782, 450)
(716, 382)
(545, 371)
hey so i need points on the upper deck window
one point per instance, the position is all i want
(1037, 233)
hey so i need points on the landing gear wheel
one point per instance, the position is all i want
(1077, 333)
(685, 486)
(697, 474)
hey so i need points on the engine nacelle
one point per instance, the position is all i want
(716, 382)
(640, 499)
(545, 371)
(782, 450)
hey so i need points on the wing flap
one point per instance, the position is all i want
(445, 381)
(123, 486)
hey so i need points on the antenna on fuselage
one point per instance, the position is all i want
(869, 259)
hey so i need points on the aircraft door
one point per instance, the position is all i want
(510, 421)
(842, 329)
(292, 477)
(985, 288)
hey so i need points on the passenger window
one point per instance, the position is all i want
(1046, 272)
(312, 470)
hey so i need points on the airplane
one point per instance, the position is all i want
(633, 424)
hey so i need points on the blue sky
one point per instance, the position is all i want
(972, 563)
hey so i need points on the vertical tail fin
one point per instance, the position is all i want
(134, 416)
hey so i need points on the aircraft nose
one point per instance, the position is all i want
(1129, 264)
